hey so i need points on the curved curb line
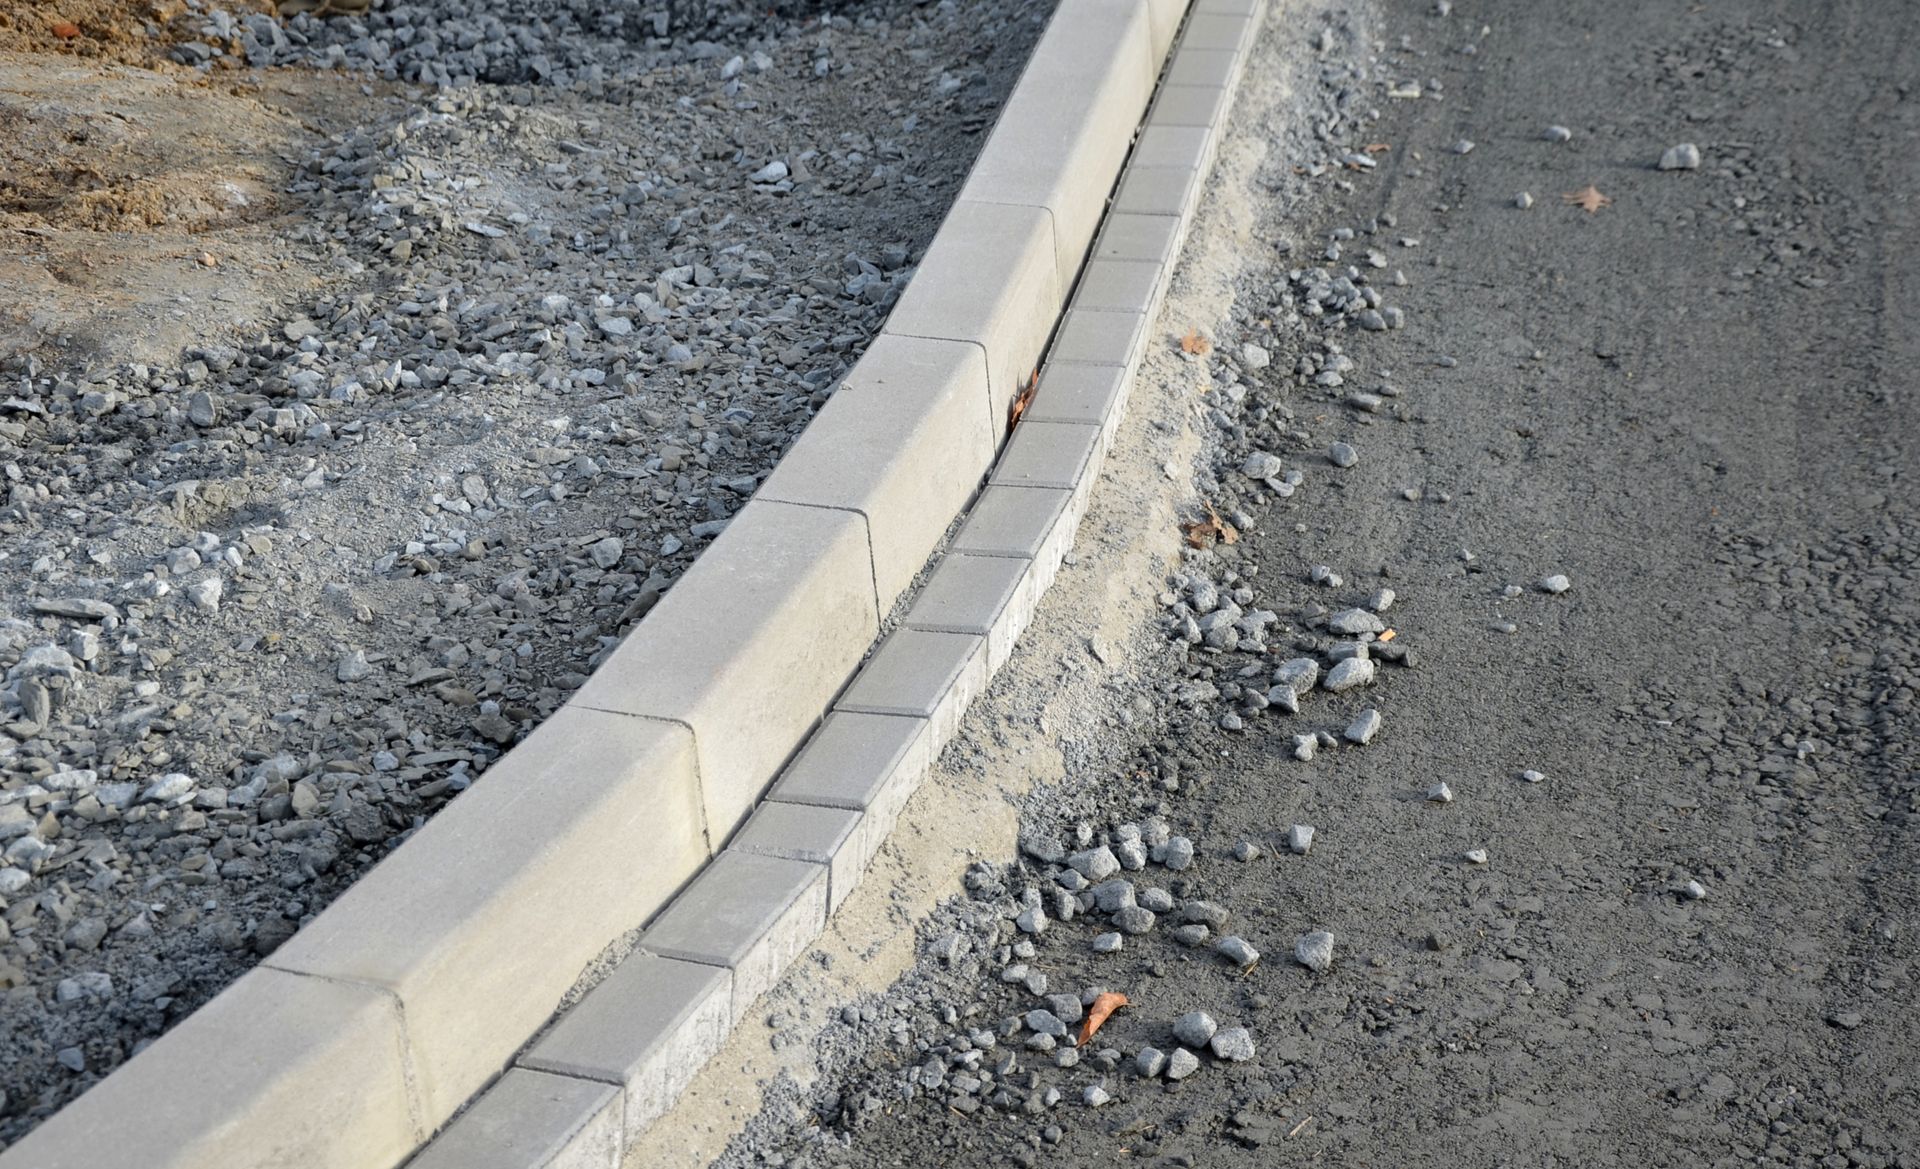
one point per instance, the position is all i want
(402, 1003)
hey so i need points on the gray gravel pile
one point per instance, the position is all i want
(565, 42)
(263, 611)
(991, 1021)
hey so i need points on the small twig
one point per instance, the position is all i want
(1301, 1126)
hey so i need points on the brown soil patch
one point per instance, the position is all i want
(142, 209)
(132, 32)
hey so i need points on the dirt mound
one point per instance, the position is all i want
(133, 32)
(77, 153)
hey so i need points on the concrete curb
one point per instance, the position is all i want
(424, 989)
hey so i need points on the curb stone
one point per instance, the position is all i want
(420, 996)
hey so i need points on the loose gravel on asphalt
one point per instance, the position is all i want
(263, 611)
(1624, 873)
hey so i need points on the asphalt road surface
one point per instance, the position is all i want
(1694, 940)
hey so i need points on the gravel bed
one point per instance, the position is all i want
(265, 610)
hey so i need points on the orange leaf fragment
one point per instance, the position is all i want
(1587, 198)
(66, 30)
(1023, 400)
(1194, 343)
(1376, 148)
(1103, 1006)
(1203, 533)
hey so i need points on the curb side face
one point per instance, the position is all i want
(279, 1069)
(483, 921)
(759, 634)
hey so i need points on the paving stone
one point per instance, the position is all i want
(866, 763)
(1190, 105)
(905, 442)
(533, 868)
(1119, 286)
(1064, 132)
(986, 595)
(532, 1120)
(838, 838)
(1195, 65)
(325, 1085)
(1127, 236)
(649, 1027)
(1214, 30)
(1048, 454)
(990, 277)
(1075, 391)
(923, 675)
(1014, 521)
(751, 914)
(785, 592)
(1098, 337)
(1156, 190)
(1183, 147)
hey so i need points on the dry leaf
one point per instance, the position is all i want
(1103, 1006)
(1023, 400)
(1195, 344)
(1376, 148)
(1203, 533)
(1587, 198)
(66, 30)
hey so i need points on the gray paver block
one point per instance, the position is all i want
(989, 595)
(786, 592)
(1120, 286)
(1064, 131)
(1157, 190)
(1075, 391)
(838, 838)
(991, 276)
(922, 674)
(1011, 521)
(1047, 454)
(854, 760)
(648, 1027)
(966, 593)
(752, 914)
(1138, 237)
(1189, 105)
(481, 924)
(1217, 30)
(310, 1072)
(1199, 66)
(532, 1120)
(1178, 146)
(1099, 337)
(905, 442)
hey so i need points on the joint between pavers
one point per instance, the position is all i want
(994, 426)
(699, 776)
(866, 524)
(416, 1099)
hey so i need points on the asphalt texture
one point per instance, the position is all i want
(1697, 402)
